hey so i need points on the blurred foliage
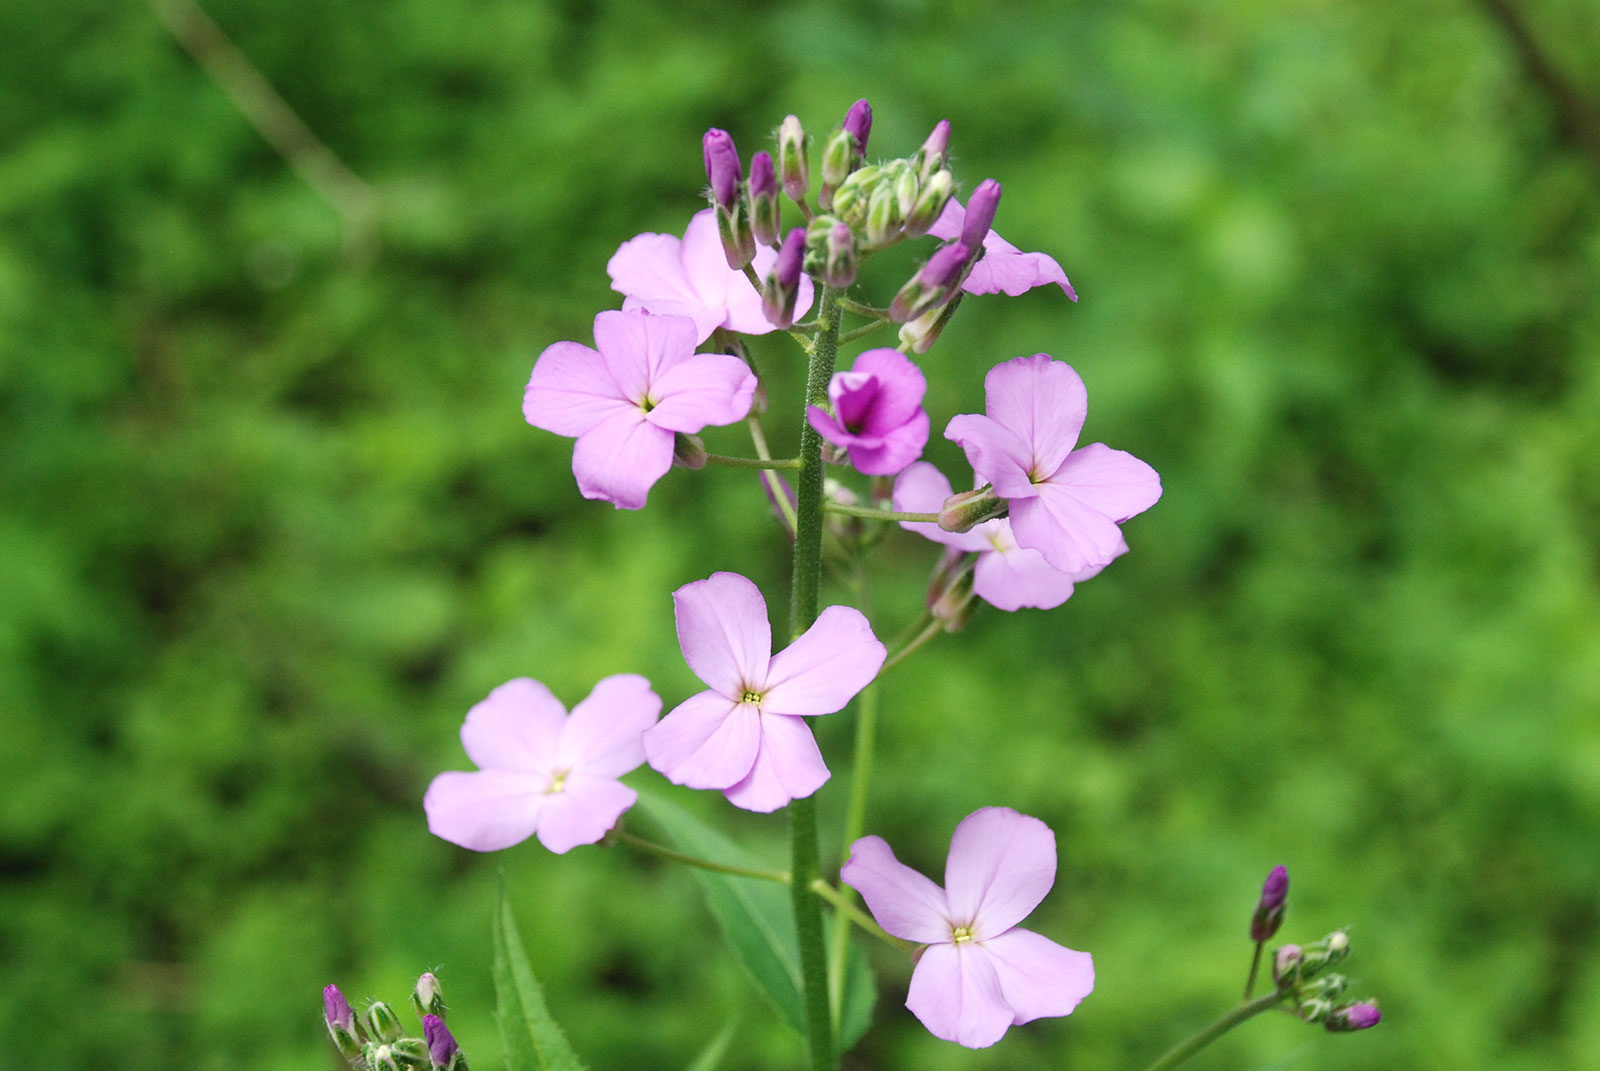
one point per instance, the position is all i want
(270, 520)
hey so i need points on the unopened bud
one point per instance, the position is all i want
(920, 334)
(931, 199)
(1286, 965)
(905, 189)
(442, 1047)
(1325, 953)
(382, 1023)
(950, 589)
(858, 124)
(851, 199)
(341, 1022)
(934, 282)
(722, 167)
(1359, 1016)
(1269, 911)
(733, 228)
(838, 158)
(967, 510)
(883, 219)
(839, 258)
(764, 199)
(1314, 1010)
(688, 452)
(1329, 987)
(782, 284)
(935, 152)
(427, 998)
(792, 167)
(980, 214)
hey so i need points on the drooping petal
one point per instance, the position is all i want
(898, 448)
(1004, 268)
(1001, 865)
(995, 452)
(621, 458)
(1071, 535)
(569, 391)
(956, 993)
(583, 811)
(823, 670)
(515, 728)
(707, 741)
(602, 736)
(1043, 401)
(905, 902)
(921, 488)
(1038, 977)
(788, 766)
(1112, 481)
(1016, 577)
(708, 388)
(724, 632)
(486, 810)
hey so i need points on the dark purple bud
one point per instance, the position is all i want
(980, 213)
(441, 1045)
(934, 281)
(1361, 1016)
(763, 175)
(858, 121)
(722, 166)
(763, 189)
(782, 285)
(1274, 892)
(337, 1009)
(790, 257)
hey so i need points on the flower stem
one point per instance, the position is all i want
(872, 513)
(753, 462)
(1185, 1049)
(929, 631)
(619, 836)
(1255, 966)
(841, 901)
(868, 311)
(863, 331)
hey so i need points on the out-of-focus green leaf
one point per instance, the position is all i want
(711, 1056)
(532, 1040)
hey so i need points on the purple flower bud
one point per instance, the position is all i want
(763, 189)
(936, 150)
(783, 284)
(722, 166)
(858, 121)
(1360, 1016)
(980, 213)
(1270, 908)
(792, 159)
(931, 285)
(441, 1045)
(336, 1009)
(1286, 964)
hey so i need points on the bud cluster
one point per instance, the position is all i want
(1298, 973)
(378, 1041)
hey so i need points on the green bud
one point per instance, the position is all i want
(1329, 987)
(793, 171)
(382, 1023)
(738, 240)
(1330, 950)
(1315, 1010)
(965, 511)
(427, 998)
(905, 189)
(412, 1054)
(883, 222)
(838, 157)
(929, 204)
(688, 452)
(850, 200)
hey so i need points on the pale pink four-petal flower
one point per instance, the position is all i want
(1004, 269)
(747, 735)
(625, 399)
(690, 277)
(877, 412)
(541, 771)
(1065, 503)
(980, 974)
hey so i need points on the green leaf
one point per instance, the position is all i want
(532, 1040)
(710, 1057)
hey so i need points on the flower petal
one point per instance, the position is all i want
(956, 993)
(486, 810)
(638, 347)
(822, 670)
(621, 458)
(921, 488)
(583, 811)
(1043, 401)
(706, 320)
(788, 766)
(708, 388)
(900, 447)
(1112, 481)
(515, 728)
(1038, 977)
(649, 267)
(724, 632)
(602, 736)
(1001, 865)
(569, 391)
(1071, 535)
(901, 388)
(1014, 577)
(906, 903)
(995, 452)
(708, 741)
(1005, 269)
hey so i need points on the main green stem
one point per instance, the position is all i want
(806, 865)
(1185, 1049)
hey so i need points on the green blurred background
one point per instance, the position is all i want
(271, 520)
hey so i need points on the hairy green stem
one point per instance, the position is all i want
(872, 513)
(753, 462)
(1185, 1049)
(1255, 966)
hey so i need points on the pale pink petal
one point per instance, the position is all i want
(1005, 269)
(706, 320)
(708, 388)
(956, 993)
(515, 728)
(1001, 865)
(1112, 481)
(923, 489)
(724, 633)
(1071, 535)
(906, 903)
(639, 347)
(705, 265)
(899, 448)
(1043, 402)
(1016, 577)
(788, 766)
(996, 453)
(602, 737)
(621, 458)
(708, 741)
(583, 811)
(569, 391)
(650, 267)
(486, 810)
(1038, 977)
(950, 221)
(823, 670)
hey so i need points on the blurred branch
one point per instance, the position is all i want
(1580, 122)
(349, 195)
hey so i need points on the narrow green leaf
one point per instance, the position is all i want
(532, 1040)
(711, 1056)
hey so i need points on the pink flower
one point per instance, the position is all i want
(877, 412)
(980, 974)
(625, 402)
(540, 771)
(747, 735)
(691, 277)
(1065, 503)
(1005, 575)
(1004, 269)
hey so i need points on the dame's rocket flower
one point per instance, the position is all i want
(1065, 503)
(877, 412)
(541, 771)
(746, 734)
(625, 400)
(690, 277)
(980, 973)
(1004, 269)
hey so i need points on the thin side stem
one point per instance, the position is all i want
(863, 331)
(872, 513)
(870, 311)
(929, 631)
(849, 910)
(754, 462)
(1185, 1049)
(620, 836)
(1255, 967)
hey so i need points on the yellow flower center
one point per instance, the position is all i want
(750, 697)
(961, 934)
(558, 780)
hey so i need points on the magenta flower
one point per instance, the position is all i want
(980, 973)
(1004, 269)
(747, 734)
(540, 771)
(1005, 575)
(691, 277)
(625, 402)
(877, 412)
(1065, 503)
